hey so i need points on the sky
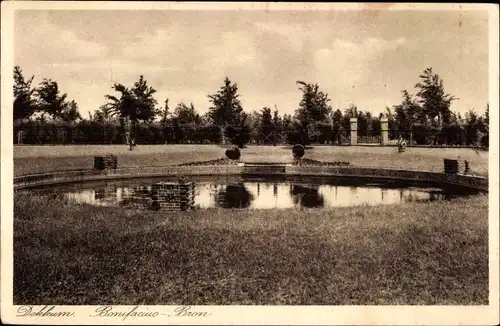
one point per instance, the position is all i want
(364, 58)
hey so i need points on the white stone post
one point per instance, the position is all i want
(384, 128)
(354, 131)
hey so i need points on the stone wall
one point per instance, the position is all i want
(90, 175)
(453, 179)
(123, 173)
(171, 196)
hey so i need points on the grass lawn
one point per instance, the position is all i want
(33, 159)
(418, 253)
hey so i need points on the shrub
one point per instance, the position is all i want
(239, 135)
(298, 151)
(485, 141)
(233, 153)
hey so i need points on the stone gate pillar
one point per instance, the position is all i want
(384, 129)
(354, 131)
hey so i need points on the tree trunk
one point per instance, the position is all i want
(19, 137)
(133, 132)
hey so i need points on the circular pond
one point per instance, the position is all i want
(251, 192)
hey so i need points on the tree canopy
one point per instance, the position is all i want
(226, 105)
(24, 101)
(425, 116)
(434, 100)
(135, 103)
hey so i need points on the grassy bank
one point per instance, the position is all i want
(33, 159)
(419, 253)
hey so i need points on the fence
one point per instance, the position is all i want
(109, 133)
(444, 136)
(369, 140)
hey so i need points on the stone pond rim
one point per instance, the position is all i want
(76, 176)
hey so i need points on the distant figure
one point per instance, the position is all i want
(401, 144)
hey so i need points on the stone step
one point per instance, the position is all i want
(261, 168)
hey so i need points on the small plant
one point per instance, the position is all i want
(233, 153)
(298, 151)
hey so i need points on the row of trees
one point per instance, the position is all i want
(44, 115)
(430, 111)
(44, 101)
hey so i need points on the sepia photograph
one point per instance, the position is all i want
(201, 156)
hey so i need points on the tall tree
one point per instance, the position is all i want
(24, 101)
(49, 98)
(472, 126)
(254, 123)
(70, 112)
(265, 124)
(314, 107)
(165, 114)
(408, 113)
(124, 106)
(413, 110)
(277, 125)
(133, 105)
(349, 113)
(185, 121)
(434, 100)
(145, 101)
(226, 107)
(287, 126)
(187, 114)
(337, 132)
(240, 132)
(102, 114)
(337, 119)
(352, 111)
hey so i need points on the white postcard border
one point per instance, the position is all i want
(251, 315)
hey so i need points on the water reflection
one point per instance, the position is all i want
(251, 195)
(307, 196)
(235, 196)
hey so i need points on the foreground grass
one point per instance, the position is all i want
(33, 159)
(421, 253)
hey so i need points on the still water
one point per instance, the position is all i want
(261, 194)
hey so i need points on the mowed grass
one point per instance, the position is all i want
(409, 254)
(37, 159)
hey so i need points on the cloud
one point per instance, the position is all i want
(149, 45)
(186, 55)
(234, 48)
(205, 52)
(52, 43)
(353, 59)
(113, 64)
(294, 34)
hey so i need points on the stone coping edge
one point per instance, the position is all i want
(30, 181)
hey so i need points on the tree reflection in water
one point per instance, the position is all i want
(307, 196)
(234, 196)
